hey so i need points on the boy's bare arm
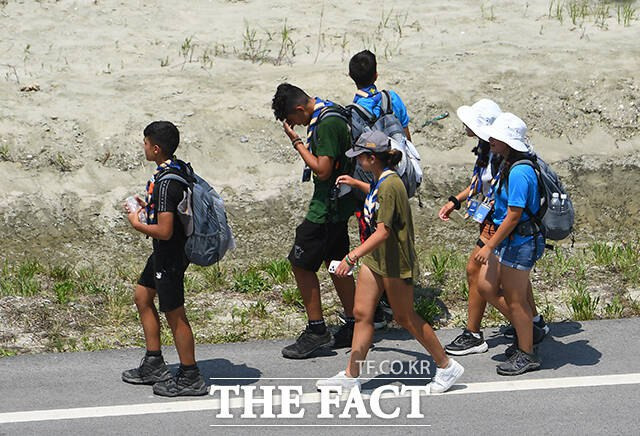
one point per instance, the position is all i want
(407, 133)
(162, 231)
(320, 165)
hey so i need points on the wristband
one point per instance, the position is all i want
(456, 202)
(350, 262)
(295, 141)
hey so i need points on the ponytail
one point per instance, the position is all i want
(390, 158)
(513, 157)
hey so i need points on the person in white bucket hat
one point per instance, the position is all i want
(507, 258)
(475, 119)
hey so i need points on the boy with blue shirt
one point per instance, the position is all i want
(363, 70)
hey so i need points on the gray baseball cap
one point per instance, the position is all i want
(373, 141)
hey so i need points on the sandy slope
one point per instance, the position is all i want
(72, 150)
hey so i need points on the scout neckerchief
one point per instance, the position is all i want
(151, 213)
(317, 109)
(371, 202)
(368, 92)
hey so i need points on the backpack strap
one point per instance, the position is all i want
(173, 176)
(386, 107)
(331, 111)
(363, 113)
(534, 224)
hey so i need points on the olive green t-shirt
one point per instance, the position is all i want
(396, 257)
(334, 140)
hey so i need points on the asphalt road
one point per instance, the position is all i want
(588, 384)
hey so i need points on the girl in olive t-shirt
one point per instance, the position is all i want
(388, 263)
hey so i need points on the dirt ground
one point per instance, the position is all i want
(79, 80)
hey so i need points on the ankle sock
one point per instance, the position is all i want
(536, 318)
(318, 327)
(476, 335)
(154, 353)
(188, 367)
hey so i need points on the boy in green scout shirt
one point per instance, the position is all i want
(323, 235)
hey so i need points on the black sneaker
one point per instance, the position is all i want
(467, 343)
(307, 343)
(519, 363)
(185, 384)
(509, 331)
(342, 338)
(379, 318)
(152, 369)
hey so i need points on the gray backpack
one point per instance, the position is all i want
(360, 120)
(204, 219)
(555, 218)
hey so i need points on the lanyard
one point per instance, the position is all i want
(151, 214)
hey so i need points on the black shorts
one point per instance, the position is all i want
(166, 275)
(316, 243)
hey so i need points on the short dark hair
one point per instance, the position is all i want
(285, 100)
(363, 68)
(165, 135)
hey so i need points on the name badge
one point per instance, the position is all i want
(471, 208)
(481, 212)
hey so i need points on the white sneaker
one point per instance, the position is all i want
(446, 377)
(342, 380)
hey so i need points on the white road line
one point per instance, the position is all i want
(213, 404)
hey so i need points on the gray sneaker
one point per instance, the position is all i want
(511, 349)
(184, 384)
(519, 363)
(306, 344)
(152, 370)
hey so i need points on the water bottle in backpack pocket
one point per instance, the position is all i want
(556, 215)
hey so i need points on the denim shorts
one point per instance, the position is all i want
(521, 257)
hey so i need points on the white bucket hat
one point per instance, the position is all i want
(509, 129)
(480, 114)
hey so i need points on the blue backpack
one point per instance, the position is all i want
(204, 218)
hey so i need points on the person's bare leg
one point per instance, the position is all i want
(514, 284)
(143, 297)
(532, 302)
(368, 292)
(476, 303)
(400, 295)
(182, 335)
(346, 289)
(309, 287)
(489, 286)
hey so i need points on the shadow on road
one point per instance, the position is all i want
(556, 354)
(226, 373)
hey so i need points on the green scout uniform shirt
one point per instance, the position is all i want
(334, 140)
(396, 257)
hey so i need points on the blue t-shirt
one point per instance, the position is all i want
(399, 109)
(521, 191)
